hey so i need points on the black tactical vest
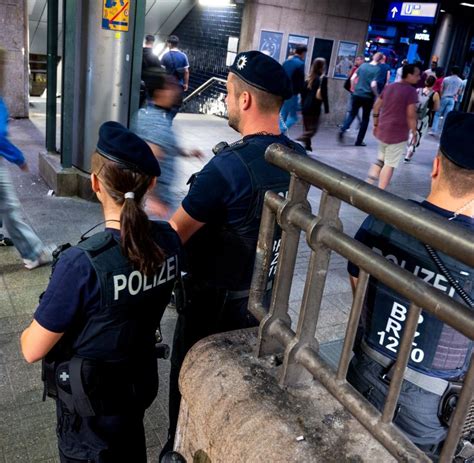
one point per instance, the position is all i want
(223, 256)
(116, 343)
(438, 349)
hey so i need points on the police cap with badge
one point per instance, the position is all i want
(121, 145)
(262, 72)
(456, 139)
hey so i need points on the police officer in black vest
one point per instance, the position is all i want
(95, 324)
(219, 218)
(440, 356)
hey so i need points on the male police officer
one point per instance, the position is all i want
(220, 217)
(441, 355)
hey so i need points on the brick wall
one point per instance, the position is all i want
(13, 38)
(204, 35)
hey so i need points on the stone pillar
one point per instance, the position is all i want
(346, 20)
(14, 39)
(443, 40)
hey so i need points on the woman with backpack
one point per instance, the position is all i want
(428, 100)
(315, 95)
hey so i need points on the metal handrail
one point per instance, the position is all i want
(324, 234)
(203, 87)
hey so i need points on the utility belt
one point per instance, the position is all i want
(448, 391)
(89, 388)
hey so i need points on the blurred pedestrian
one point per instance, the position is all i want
(153, 124)
(349, 85)
(177, 64)
(450, 90)
(294, 68)
(149, 59)
(315, 95)
(428, 100)
(431, 71)
(460, 97)
(33, 252)
(364, 94)
(398, 74)
(394, 116)
(384, 74)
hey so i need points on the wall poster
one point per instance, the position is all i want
(270, 43)
(346, 54)
(295, 41)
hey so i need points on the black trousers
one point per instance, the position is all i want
(207, 311)
(366, 104)
(100, 439)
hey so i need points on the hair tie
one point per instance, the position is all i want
(130, 195)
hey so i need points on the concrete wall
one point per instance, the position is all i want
(14, 38)
(327, 19)
(234, 411)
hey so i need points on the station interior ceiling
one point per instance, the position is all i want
(161, 18)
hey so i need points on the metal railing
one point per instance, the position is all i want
(203, 88)
(301, 360)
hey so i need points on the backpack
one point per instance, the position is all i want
(425, 103)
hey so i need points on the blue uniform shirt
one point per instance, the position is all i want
(175, 61)
(74, 289)
(222, 191)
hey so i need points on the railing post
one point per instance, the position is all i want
(286, 266)
(328, 215)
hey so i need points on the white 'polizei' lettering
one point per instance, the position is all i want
(137, 282)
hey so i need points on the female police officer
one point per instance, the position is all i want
(95, 324)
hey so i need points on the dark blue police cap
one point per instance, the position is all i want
(262, 72)
(456, 139)
(119, 144)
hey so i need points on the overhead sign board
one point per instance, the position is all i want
(412, 12)
(115, 15)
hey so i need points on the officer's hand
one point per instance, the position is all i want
(24, 167)
(156, 208)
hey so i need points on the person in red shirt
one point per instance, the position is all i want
(394, 116)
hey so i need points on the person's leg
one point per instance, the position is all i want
(25, 239)
(367, 104)
(438, 115)
(376, 167)
(356, 103)
(449, 106)
(393, 155)
(292, 108)
(285, 110)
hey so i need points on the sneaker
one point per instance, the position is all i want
(44, 258)
(407, 160)
(360, 143)
(5, 241)
(433, 134)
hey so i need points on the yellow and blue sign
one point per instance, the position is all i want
(412, 12)
(115, 15)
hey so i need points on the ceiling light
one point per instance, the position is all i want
(471, 5)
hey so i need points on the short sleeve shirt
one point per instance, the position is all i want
(175, 60)
(222, 191)
(366, 74)
(74, 288)
(393, 124)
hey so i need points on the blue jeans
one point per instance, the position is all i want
(24, 238)
(288, 113)
(446, 106)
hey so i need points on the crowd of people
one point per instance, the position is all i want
(94, 328)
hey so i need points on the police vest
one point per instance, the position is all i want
(223, 256)
(106, 362)
(438, 350)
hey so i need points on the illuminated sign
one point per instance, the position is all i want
(412, 12)
(422, 36)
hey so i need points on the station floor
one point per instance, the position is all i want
(27, 425)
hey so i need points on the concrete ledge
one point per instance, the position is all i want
(64, 182)
(233, 410)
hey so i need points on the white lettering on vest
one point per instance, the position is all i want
(120, 283)
(139, 277)
(137, 282)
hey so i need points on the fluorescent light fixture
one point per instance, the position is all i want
(470, 5)
(215, 3)
(158, 48)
